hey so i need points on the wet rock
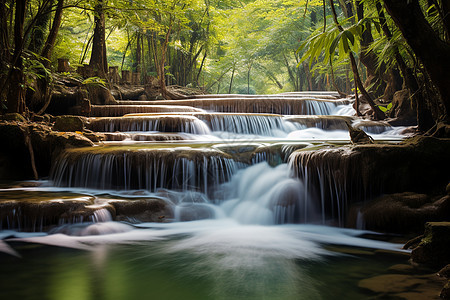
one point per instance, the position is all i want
(142, 210)
(402, 110)
(434, 249)
(363, 172)
(70, 123)
(15, 161)
(404, 212)
(100, 95)
(445, 272)
(445, 293)
(36, 211)
(391, 283)
(13, 117)
(398, 286)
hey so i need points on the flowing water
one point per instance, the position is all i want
(192, 199)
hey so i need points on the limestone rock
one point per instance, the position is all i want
(70, 123)
(402, 110)
(404, 212)
(445, 272)
(445, 293)
(13, 117)
(142, 210)
(434, 249)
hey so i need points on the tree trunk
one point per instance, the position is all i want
(425, 43)
(376, 75)
(98, 60)
(378, 114)
(37, 40)
(16, 92)
(51, 38)
(4, 38)
(424, 116)
(231, 80)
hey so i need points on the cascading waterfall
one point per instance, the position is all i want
(164, 123)
(144, 169)
(196, 215)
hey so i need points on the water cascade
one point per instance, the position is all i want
(212, 197)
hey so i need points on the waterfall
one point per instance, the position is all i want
(261, 194)
(163, 123)
(143, 168)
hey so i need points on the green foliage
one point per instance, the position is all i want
(94, 81)
(34, 69)
(386, 109)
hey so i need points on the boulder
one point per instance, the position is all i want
(142, 210)
(69, 123)
(100, 95)
(13, 117)
(402, 111)
(445, 293)
(434, 249)
(15, 161)
(403, 212)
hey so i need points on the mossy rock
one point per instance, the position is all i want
(69, 123)
(434, 249)
(14, 117)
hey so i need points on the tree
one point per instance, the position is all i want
(16, 91)
(426, 44)
(98, 60)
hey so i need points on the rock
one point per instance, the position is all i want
(398, 286)
(95, 137)
(14, 117)
(445, 272)
(15, 162)
(69, 123)
(434, 249)
(402, 110)
(358, 136)
(100, 95)
(404, 212)
(363, 172)
(142, 210)
(445, 293)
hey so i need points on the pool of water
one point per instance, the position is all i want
(209, 259)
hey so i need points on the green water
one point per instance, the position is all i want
(183, 267)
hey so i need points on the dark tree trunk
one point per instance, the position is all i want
(43, 17)
(428, 47)
(378, 114)
(424, 116)
(376, 75)
(51, 38)
(98, 60)
(4, 38)
(138, 53)
(16, 92)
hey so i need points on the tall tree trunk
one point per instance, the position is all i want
(98, 60)
(376, 75)
(51, 38)
(424, 117)
(37, 40)
(138, 53)
(16, 92)
(378, 114)
(425, 43)
(4, 37)
(231, 80)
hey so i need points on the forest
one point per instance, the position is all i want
(242, 47)
(224, 149)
